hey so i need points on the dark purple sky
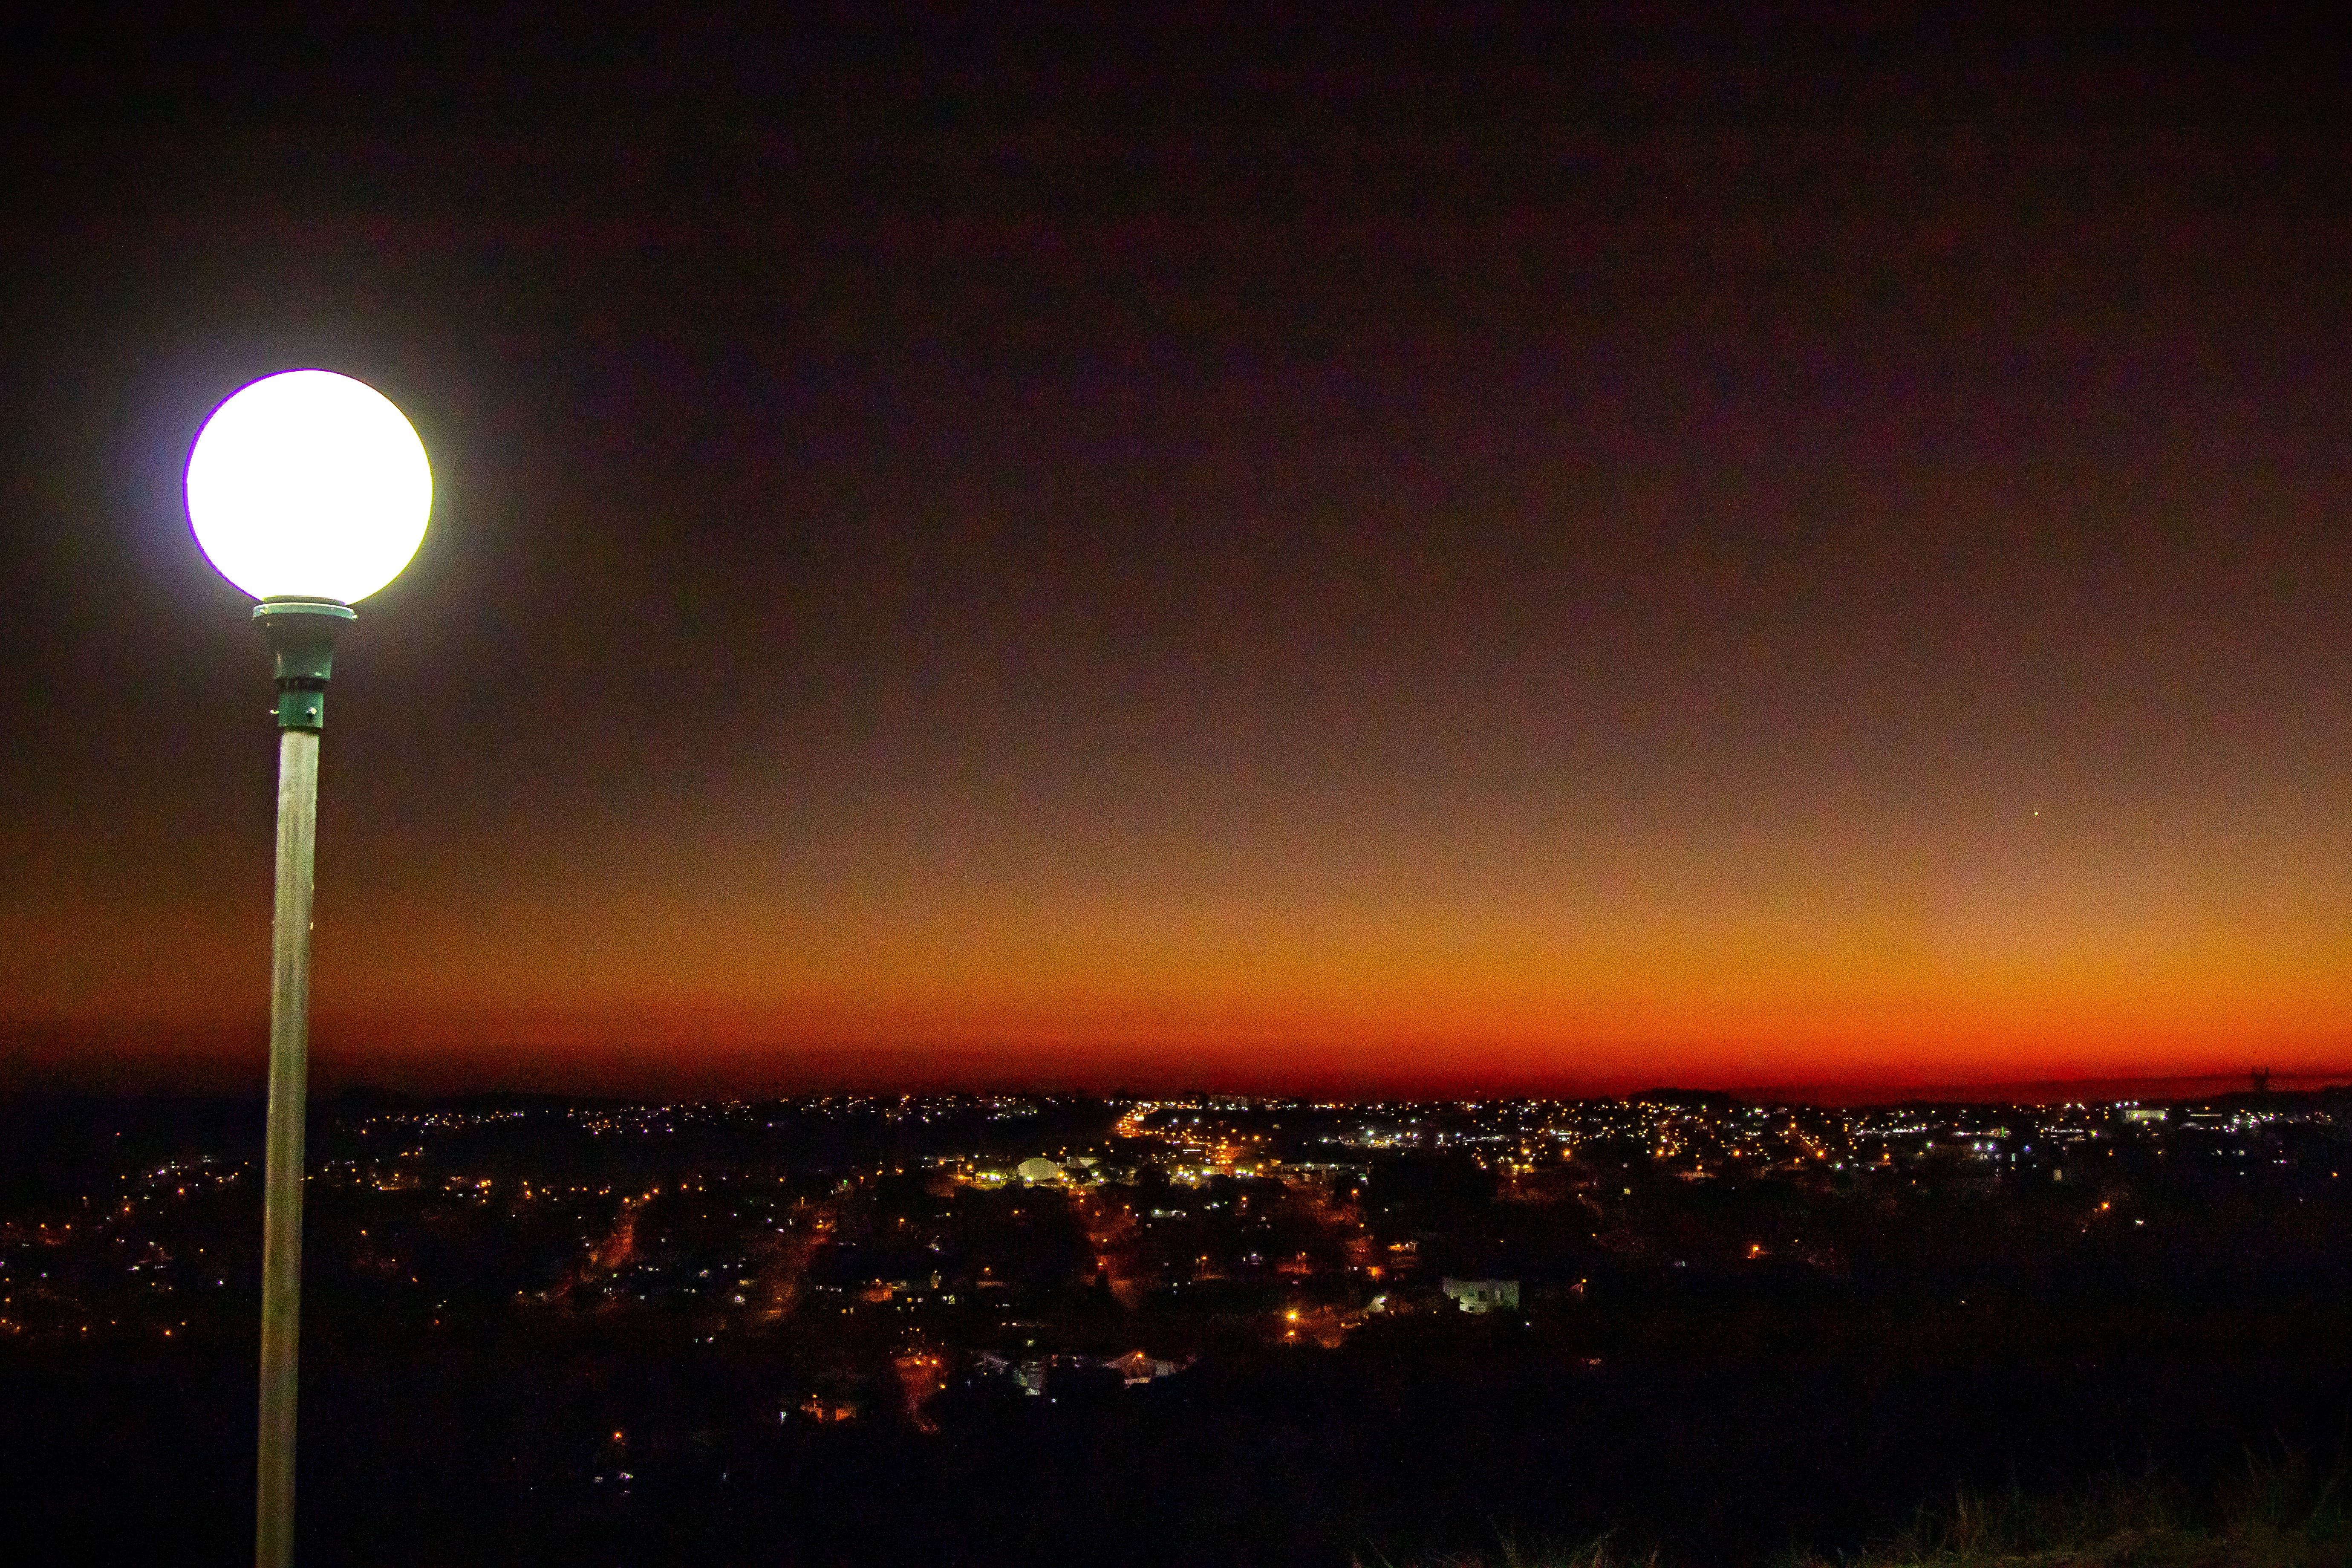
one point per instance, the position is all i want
(1341, 555)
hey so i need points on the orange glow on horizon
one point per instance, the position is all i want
(1373, 1006)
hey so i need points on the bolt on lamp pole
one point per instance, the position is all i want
(302, 635)
(309, 491)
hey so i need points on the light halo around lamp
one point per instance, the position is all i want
(309, 485)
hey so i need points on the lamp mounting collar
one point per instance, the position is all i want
(302, 634)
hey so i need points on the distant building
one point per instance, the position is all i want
(1037, 1168)
(1135, 1367)
(1029, 1375)
(1037, 1373)
(829, 1410)
(1483, 1295)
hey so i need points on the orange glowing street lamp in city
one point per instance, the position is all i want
(309, 491)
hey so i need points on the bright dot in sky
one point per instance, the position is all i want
(309, 485)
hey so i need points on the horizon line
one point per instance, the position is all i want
(2087, 1090)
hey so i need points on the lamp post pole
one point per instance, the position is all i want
(302, 635)
(308, 490)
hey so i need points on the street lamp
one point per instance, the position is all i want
(308, 490)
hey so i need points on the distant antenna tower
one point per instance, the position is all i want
(2261, 1077)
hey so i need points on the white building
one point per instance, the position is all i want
(1483, 1295)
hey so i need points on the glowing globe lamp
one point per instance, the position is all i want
(309, 485)
(308, 490)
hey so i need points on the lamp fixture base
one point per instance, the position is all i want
(302, 634)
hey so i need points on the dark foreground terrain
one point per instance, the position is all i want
(1729, 1368)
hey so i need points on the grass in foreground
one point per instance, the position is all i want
(2274, 1514)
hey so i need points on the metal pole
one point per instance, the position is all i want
(301, 634)
(281, 1213)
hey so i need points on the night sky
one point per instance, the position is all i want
(1354, 557)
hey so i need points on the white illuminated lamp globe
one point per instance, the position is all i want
(309, 485)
